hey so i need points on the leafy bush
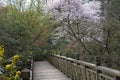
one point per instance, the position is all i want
(10, 71)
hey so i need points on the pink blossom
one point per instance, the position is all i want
(76, 9)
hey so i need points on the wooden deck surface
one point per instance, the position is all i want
(45, 71)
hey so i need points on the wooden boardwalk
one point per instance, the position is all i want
(45, 71)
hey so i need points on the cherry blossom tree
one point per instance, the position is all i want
(78, 18)
(76, 9)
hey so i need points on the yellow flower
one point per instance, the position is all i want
(16, 57)
(8, 78)
(1, 53)
(1, 50)
(18, 73)
(17, 77)
(8, 67)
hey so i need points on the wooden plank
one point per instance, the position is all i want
(43, 70)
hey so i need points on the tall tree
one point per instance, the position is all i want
(78, 20)
(111, 30)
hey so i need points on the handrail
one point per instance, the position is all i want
(76, 61)
(81, 70)
(109, 70)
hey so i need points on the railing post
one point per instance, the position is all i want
(77, 56)
(72, 71)
(98, 63)
(32, 65)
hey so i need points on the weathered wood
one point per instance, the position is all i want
(45, 71)
(98, 63)
(80, 70)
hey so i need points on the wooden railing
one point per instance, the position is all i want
(80, 70)
(32, 66)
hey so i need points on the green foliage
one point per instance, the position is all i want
(15, 35)
(111, 30)
(39, 53)
(21, 28)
